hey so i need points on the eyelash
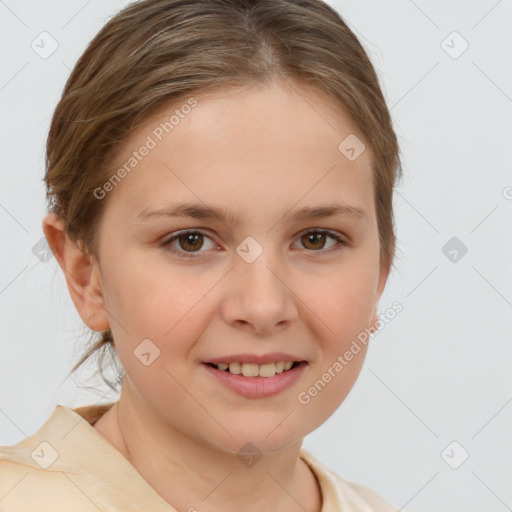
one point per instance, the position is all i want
(184, 254)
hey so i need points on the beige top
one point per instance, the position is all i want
(67, 465)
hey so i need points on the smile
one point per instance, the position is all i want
(250, 383)
(256, 370)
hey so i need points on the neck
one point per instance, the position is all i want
(190, 473)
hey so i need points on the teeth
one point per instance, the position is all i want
(255, 370)
(267, 370)
(235, 368)
(250, 370)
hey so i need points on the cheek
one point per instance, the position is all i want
(148, 300)
(343, 302)
(339, 309)
(159, 316)
(328, 386)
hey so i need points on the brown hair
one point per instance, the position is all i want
(156, 52)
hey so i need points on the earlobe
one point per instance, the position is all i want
(82, 273)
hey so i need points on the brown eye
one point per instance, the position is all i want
(188, 243)
(315, 240)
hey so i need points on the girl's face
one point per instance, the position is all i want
(253, 282)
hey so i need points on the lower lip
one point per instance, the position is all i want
(258, 387)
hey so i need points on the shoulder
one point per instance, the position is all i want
(26, 487)
(45, 471)
(362, 497)
(341, 494)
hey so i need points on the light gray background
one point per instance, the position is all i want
(440, 371)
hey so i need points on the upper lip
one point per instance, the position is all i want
(274, 357)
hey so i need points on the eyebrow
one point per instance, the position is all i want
(201, 211)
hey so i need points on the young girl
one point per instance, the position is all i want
(220, 177)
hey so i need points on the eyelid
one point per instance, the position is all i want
(166, 244)
(339, 237)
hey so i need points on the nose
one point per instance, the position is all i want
(257, 296)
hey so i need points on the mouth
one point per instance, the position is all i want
(267, 370)
(256, 381)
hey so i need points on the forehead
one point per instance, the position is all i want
(244, 148)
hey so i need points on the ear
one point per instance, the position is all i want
(82, 274)
(383, 276)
